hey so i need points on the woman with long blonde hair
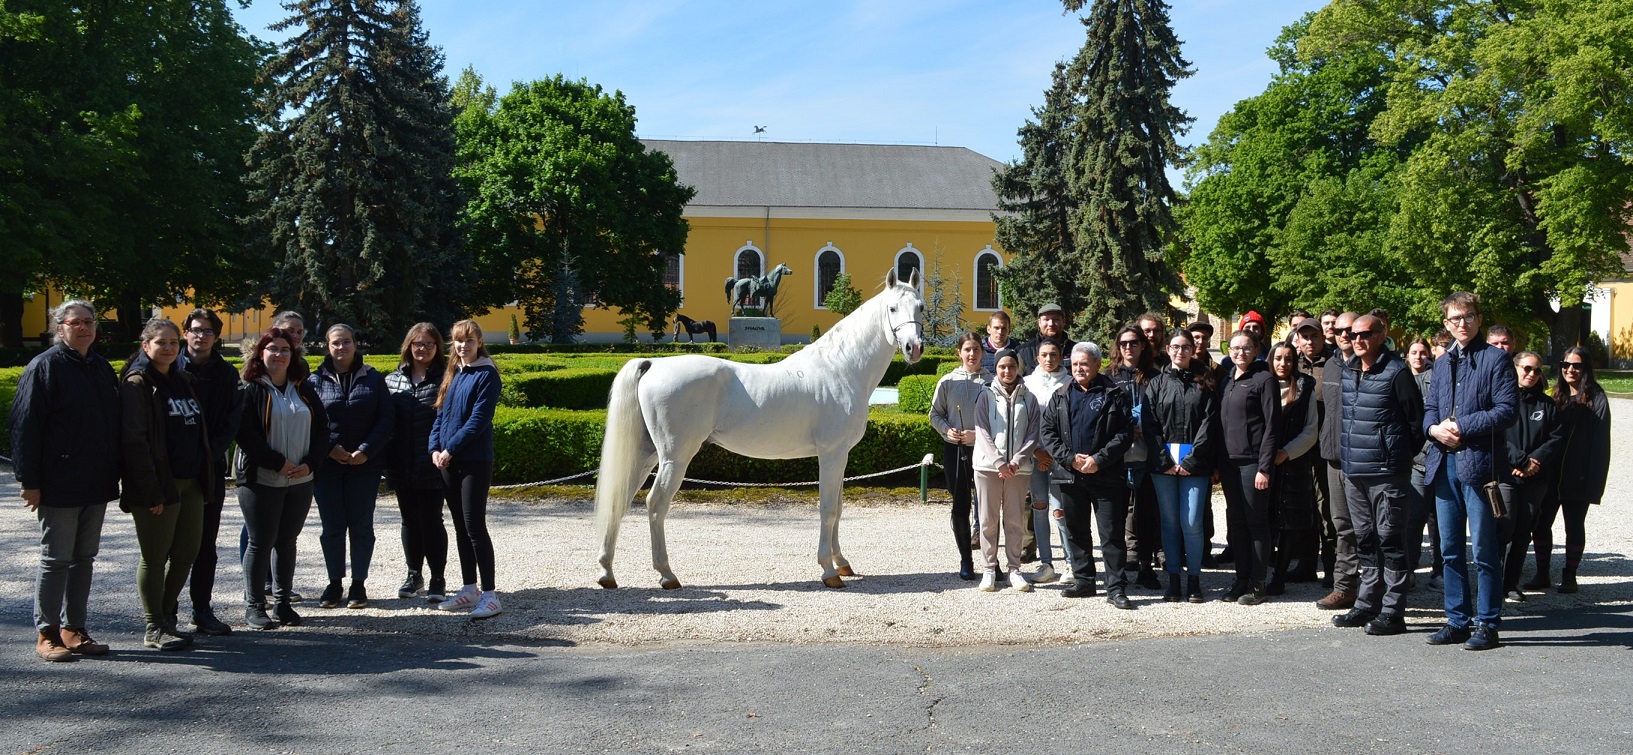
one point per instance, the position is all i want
(461, 447)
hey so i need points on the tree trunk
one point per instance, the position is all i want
(1565, 330)
(11, 318)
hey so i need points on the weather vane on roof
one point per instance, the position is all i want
(758, 130)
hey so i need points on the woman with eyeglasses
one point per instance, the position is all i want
(1184, 407)
(361, 416)
(1585, 412)
(282, 435)
(410, 472)
(1133, 366)
(1250, 410)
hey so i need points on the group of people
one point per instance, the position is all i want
(1330, 449)
(157, 439)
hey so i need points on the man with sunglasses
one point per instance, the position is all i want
(1343, 565)
(1473, 398)
(1382, 414)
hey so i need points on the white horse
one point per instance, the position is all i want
(814, 403)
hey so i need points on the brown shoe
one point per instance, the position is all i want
(79, 641)
(1337, 600)
(50, 647)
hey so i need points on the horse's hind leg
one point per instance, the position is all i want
(664, 487)
(609, 541)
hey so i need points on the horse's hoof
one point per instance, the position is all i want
(670, 584)
(845, 571)
(608, 582)
(833, 581)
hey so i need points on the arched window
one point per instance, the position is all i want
(830, 262)
(987, 264)
(908, 261)
(750, 263)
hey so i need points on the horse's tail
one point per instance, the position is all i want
(620, 455)
(710, 323)
(731, 285)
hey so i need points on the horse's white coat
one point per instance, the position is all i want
(814, 403)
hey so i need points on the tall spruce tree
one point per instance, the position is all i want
(1123, 139)
(352, 178)
(1035, 212)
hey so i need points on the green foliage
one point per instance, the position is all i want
(914, 393)
(943, 303)
(515, 332)
(629, 321)
(125, 126)
(566, 203)
(816, 332)
(541, 444)
(842, 298)
(569, 388)
(1036, 204)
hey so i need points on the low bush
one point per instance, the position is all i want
(569, 388)
(914, 393)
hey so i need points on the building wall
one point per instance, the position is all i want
(1613, 319)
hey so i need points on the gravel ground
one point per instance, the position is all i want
(750, 575)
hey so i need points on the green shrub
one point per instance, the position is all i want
(929, 364)
(569, 388)
(914, 393)
(542, 444)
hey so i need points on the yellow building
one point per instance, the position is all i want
(821, 209)
(1611, 315)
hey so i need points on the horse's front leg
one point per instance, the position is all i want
(832, 481)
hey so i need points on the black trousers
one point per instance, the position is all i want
(1247, 519)
(957, 461)
(1524, 506)
(1106, 505)
(202, 584)
(466, 483)
(425, 540)
(273, 518)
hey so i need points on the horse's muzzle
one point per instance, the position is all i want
(912, 350)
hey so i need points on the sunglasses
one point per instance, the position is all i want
(1366, 335)
(1570, 365)
(1127, 344)
(1528, 369)
(1342, 332)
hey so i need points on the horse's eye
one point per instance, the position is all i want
(893, 309)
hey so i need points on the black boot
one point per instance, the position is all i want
(1193, 589)
(1238, 588)
(1172, 594)
(1567, 581)
(1254, 596)
(966, 568)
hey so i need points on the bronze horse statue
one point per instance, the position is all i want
(692, 328)
(740, 290)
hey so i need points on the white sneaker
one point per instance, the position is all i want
(464, 600)
(1018, 581)
(989, 580)
(487, 605)
(1045, 575)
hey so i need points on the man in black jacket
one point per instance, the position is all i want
(1382, 414)
(1536, 442)
(1086, 429)
(1345, 569)
(65, 448)
(1052, 329)
(217, 385)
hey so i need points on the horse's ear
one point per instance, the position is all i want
(890, 278)
(913, 278)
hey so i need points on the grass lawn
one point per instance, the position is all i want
(1616, 381)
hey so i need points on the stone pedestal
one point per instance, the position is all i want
(764, 332)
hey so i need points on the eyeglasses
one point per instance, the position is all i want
(1127, 344)
(1243, 349)
(1366, 335)
(1467, 319)
(277, 352)
(1570, 366)
(201, 332)
(422, 345)
(1180, 347)
(1528, 369)
(1342, 332)
(79, 323)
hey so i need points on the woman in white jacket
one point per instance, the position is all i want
(1049, 376)
(1006, 432)
(952, 414)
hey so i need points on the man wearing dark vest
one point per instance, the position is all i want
(1382, 413)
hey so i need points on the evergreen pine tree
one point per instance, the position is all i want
(352, 178)
(1037, 203)
(1123, 140)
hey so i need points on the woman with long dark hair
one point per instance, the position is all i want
(461, 446)
(282, 435)
(1133, 366)
(1184, 406)
(409, 471)
(952, 414)
(1585, 412)
(360, 417)
(167, 470)
(1250, 409)
(1294, 511)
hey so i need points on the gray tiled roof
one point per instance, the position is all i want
(784, 174)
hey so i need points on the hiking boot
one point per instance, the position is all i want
(159, 637)
(80, 643)
(206, 623)
(50, 648)
(411, 586)
(1337, 600)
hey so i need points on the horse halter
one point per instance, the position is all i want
(895, 335)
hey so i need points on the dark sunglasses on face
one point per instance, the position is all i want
(1570, 365)
(1127, 344)
(1366, 335)
(1528, 369)
(1342, 332)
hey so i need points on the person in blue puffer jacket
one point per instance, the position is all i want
(461, 446)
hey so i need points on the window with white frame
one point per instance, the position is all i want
(987, 265)
(908, 261)
(830, 262)
(674, 274)
(749, 262)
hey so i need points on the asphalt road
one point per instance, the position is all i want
(1561, 684)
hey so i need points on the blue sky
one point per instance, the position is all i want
(953, 72)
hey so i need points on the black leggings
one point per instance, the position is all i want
(425, 540)
(1576, 539)
(466, 483)
(957, 460)
(1247, 519)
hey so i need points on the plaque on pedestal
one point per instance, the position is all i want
(764, 332)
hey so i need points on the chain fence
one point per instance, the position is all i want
(927, 462)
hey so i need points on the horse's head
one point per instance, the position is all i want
(781, 270)
(904, 314)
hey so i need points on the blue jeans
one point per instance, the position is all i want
(1043, 519)
(1456, 503)
(1182, 501)
(345, 498)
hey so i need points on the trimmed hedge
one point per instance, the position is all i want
(543, 444)
(914, 393)
(570, 388)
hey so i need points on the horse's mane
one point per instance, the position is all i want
(848, 335)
